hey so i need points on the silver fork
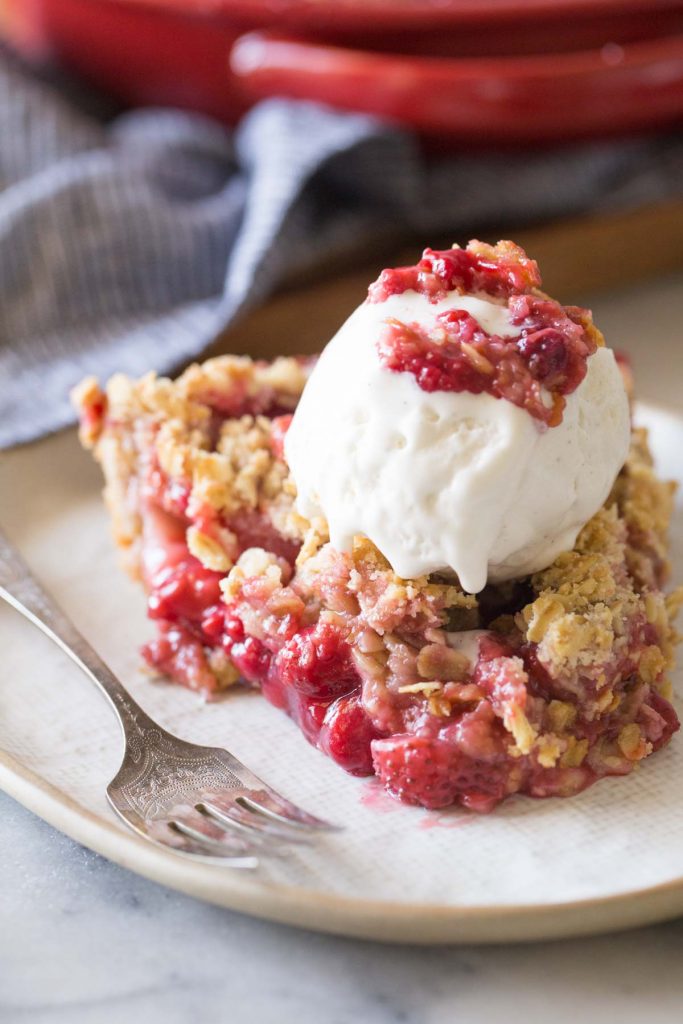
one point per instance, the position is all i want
(199, 801)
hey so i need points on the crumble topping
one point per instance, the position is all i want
(569, 682)
(140, 429)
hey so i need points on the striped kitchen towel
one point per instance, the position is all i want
(131, 242)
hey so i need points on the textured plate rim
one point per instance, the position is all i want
(384, 921)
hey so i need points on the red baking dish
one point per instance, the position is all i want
(528, 99)
(385, 57)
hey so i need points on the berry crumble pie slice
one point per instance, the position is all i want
(547, 674)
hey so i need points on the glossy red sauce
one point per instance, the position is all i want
(534, 369)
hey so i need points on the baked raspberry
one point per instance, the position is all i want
(251, 658)
(213, 623)
(347, 734)
(308, 714)
(185, 592)
(233, 628)
(317, 663)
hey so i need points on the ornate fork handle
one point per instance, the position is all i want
(20, 589)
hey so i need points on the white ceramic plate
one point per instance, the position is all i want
(609, 858)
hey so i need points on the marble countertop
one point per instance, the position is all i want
(83, 941)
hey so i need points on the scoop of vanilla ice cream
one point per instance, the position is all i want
(450, 480)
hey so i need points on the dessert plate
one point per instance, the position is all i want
(609, 858)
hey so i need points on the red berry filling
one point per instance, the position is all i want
(176, 652)
(313, 678)
(347, 734)
(423, 754)
(363, 662)
(251, 658)
(548, 358)
(184, 592)
(497, 270)
(434, 772)
(317, 663)
(253, 529)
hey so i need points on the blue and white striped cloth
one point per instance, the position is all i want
(131, 243)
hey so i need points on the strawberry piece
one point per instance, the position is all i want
(417, 769)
